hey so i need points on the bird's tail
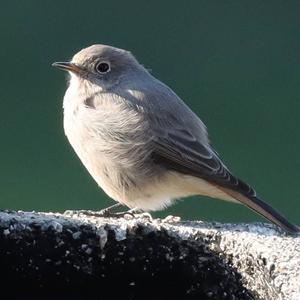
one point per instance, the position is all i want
(263, 209)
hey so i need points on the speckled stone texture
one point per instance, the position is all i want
(81, 256)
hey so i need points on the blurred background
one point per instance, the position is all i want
(235, 63)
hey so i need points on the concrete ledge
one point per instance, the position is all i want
(73, 255)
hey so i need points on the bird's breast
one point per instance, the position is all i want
(111, 143)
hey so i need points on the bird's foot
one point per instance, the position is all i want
(104, 213)
(133, 213)
(109, 213)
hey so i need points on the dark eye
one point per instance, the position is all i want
(103, 67)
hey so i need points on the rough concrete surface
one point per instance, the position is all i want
(75, 254)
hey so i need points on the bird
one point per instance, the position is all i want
(139, 140)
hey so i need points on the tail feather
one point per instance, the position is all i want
(264, 209)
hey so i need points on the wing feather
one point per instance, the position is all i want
(183, 152)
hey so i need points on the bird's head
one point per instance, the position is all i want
(102, 65)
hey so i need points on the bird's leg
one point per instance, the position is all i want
(135, 212)
(106, 212)
(109, 212)
(132, 212)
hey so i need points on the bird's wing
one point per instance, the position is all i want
(180, 149)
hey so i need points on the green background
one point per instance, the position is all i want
(236, 63)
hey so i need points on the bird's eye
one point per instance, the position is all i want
(103, 67)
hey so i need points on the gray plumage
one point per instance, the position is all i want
(140, 142)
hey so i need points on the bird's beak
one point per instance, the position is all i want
(67, 66)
